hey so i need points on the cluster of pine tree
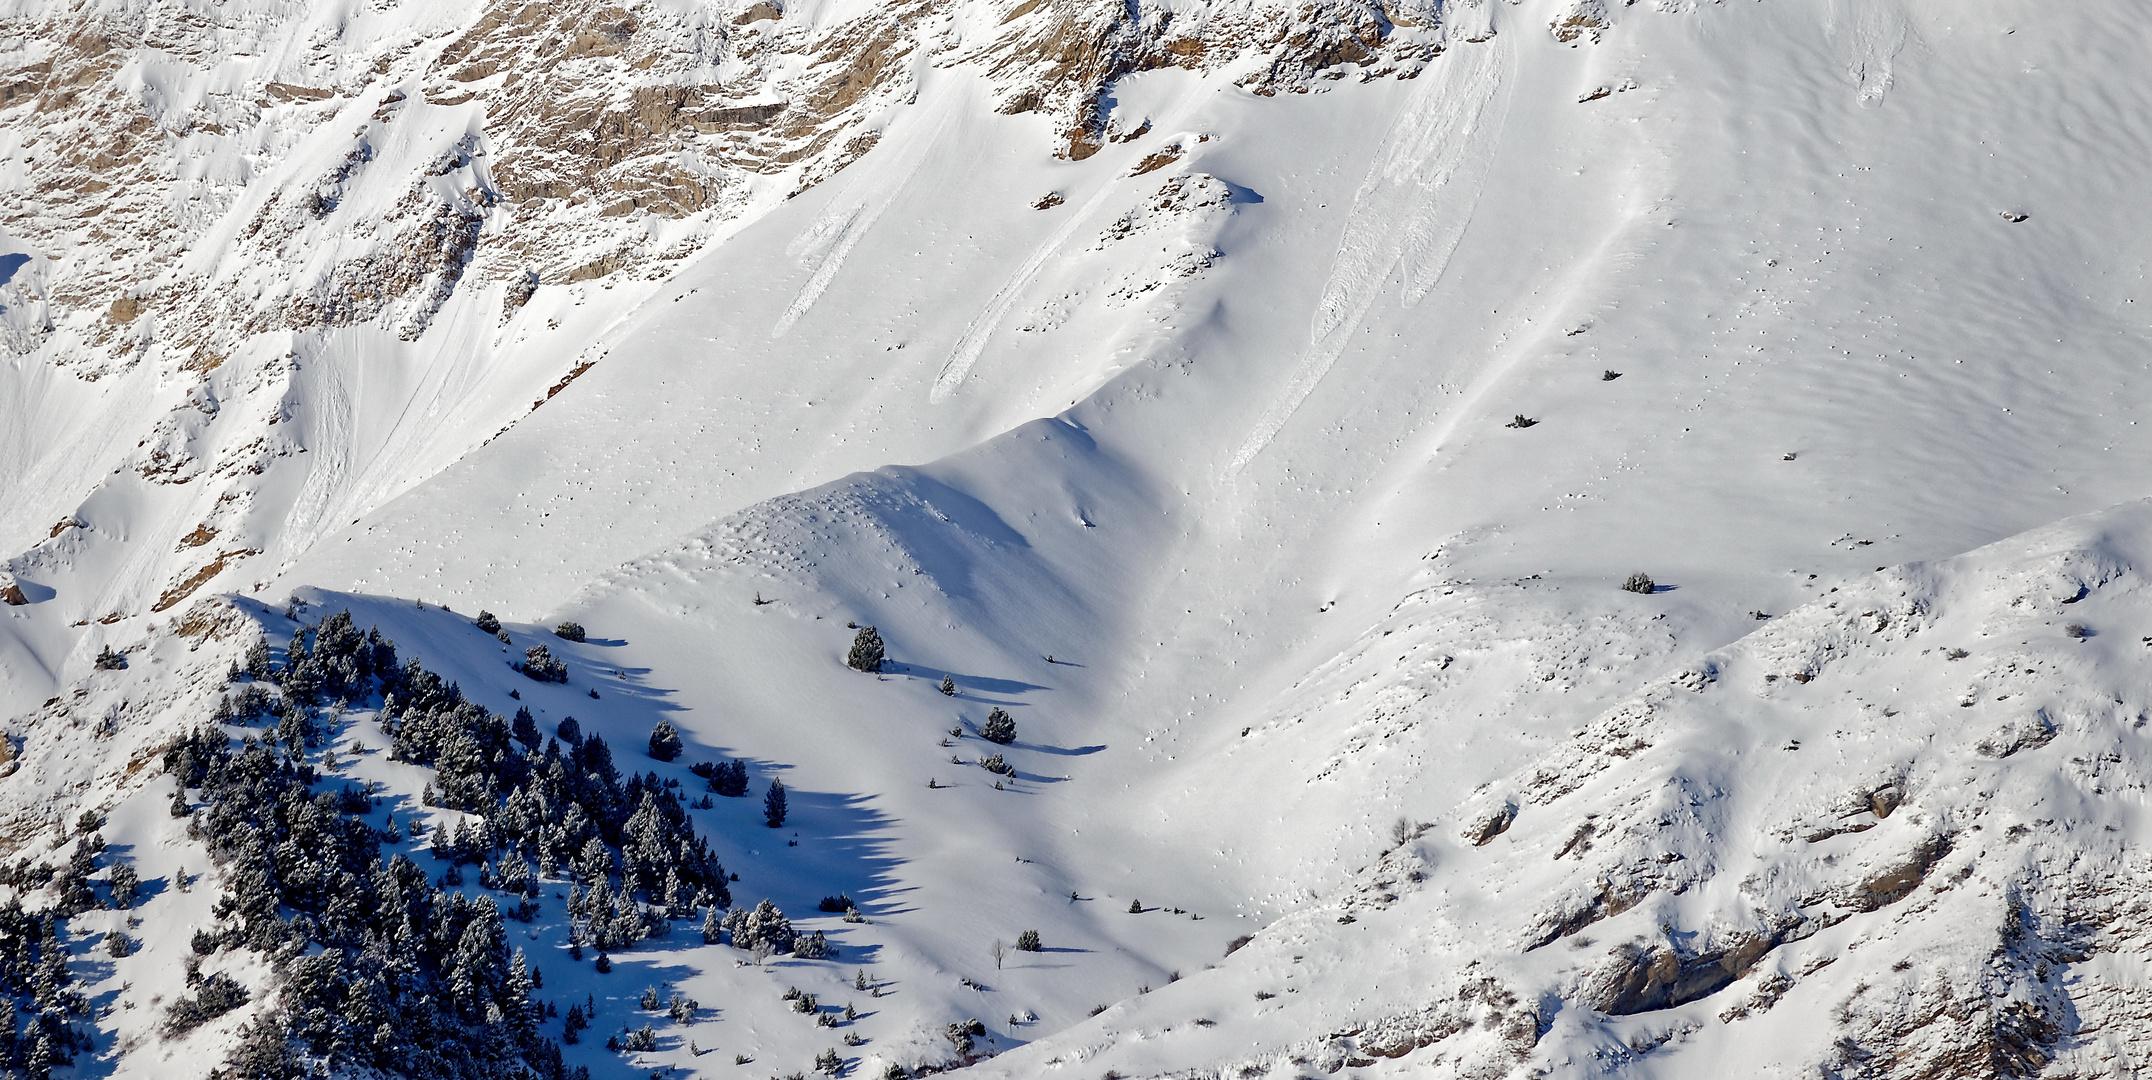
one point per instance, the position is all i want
(381, 968)
(39, 1000)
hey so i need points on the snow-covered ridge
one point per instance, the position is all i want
(1273, 461)
(1891, 826)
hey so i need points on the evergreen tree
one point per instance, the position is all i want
(124, 883)
(773, 804)
(867, 653)
(257, 665)
(1000, 727)
(488, 623)
(569, 631)
(730, 779)
(525, 729)
(665, 742)
(948, 686)
(569, 731)
(1028, 941)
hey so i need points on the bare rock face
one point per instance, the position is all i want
(212, 192)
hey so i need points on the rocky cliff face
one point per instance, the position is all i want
(205, 201)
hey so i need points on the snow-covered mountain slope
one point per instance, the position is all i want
(1263, 407)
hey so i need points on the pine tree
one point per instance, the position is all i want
(569, 731)
(124, 883)
(1000, 727)
(525, 729)
(1028, 941)
(773, 804)
(867, 653)
(948, 686)
(516, 1000)
(488, 623)
(665, 742)
(711, 926)
(730, 779)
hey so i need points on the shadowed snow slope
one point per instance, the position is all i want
(1275, 459)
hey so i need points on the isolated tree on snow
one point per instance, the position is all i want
(569, 631)
(1028, 941)
(948, 686)
(488, 623)
(665, 742)
(999, 727)
(867, 653)
(773, 804)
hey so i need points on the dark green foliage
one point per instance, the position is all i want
(1135, 907)
(118, 944)
(107, 660)
(570, 631)
(337, 662)
(219, 994)
(381, 971)
(834, 904)
(729, 779)
(525, 730)
(540, 664)
(257, 663)
(959, 1036)
(643, 1039)
(569, 731)
(948, 686)
(996, 765)
(124, 883)
(764, 925)
(1639, 582)
(665, 742)
(773, 804)
(488, 623)
(1000, 727)
(1028, 941)
(867, 653)
(829, 1062)
(604, 964)
(813, 947)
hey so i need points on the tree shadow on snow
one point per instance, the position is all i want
(965, 684)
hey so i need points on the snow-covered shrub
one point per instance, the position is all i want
(867, 653)
(542, 665)
(488, 623)
(665, 742)
(1000, 727)
(1639, 582)
(571, 631)
(764, 925)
